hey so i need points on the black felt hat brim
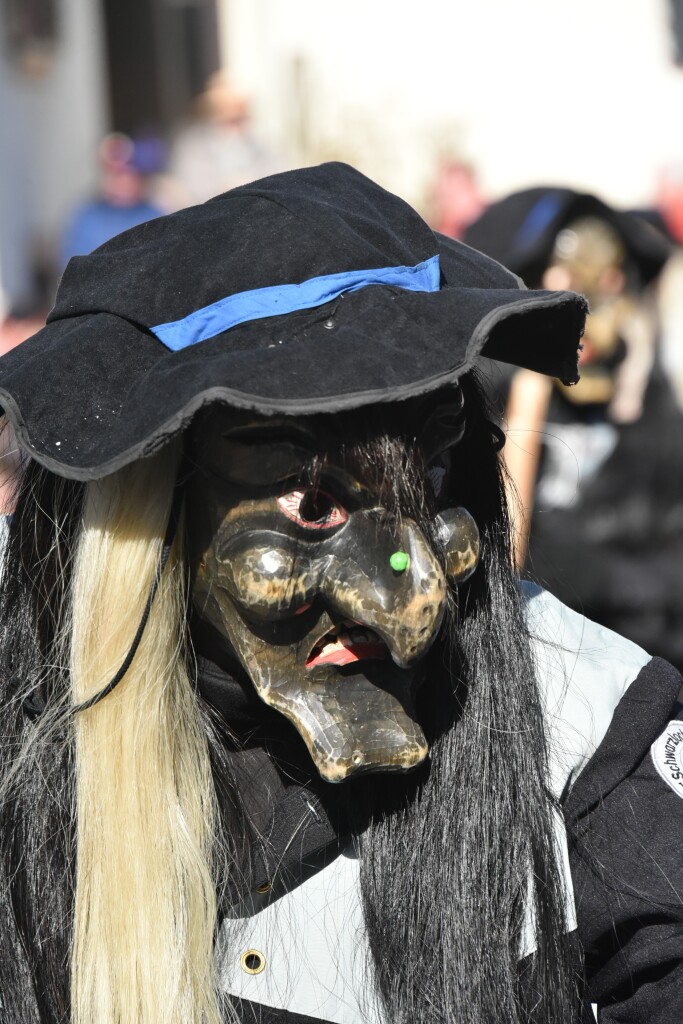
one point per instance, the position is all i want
(375, 345)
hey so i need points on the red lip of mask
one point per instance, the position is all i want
(330, 610)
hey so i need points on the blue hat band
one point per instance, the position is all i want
(258, 303)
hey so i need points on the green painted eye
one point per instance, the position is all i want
(399, 561)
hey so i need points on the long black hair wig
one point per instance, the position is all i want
(455, 858)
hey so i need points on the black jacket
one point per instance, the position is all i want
(612, 720)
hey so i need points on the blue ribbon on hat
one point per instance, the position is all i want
(258, 303)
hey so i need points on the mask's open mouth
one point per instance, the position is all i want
(345, 643)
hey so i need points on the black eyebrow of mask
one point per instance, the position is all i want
(274, 434)
(260, 456)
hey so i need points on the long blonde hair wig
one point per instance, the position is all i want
(145, 903)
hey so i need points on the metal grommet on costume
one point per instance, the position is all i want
(253, 961)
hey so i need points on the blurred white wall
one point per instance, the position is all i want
(50, 125)
(583, 92)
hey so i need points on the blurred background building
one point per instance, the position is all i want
(582, 94)
(70, 72)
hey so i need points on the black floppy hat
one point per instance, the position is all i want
(306, 292)
(520, 231)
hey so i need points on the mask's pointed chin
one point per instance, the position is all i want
(403, 758)
(366, 730)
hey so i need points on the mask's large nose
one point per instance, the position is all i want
(403, 599)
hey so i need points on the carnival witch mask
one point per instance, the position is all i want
(328, 599)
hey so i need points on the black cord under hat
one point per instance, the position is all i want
(171, 530)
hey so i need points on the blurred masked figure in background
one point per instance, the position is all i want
(598, 466)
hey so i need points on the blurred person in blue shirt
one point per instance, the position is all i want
(125, 168)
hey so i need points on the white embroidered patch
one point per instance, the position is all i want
(667, 756)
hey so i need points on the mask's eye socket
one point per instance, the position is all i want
(312, 509)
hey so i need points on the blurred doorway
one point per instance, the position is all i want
(160, 54)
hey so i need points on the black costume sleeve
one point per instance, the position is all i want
(254, 1013)
(625, 833)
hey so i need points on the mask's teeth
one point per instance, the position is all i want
(344, 645)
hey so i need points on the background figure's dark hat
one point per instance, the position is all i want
(520, 231)
(310, 291)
